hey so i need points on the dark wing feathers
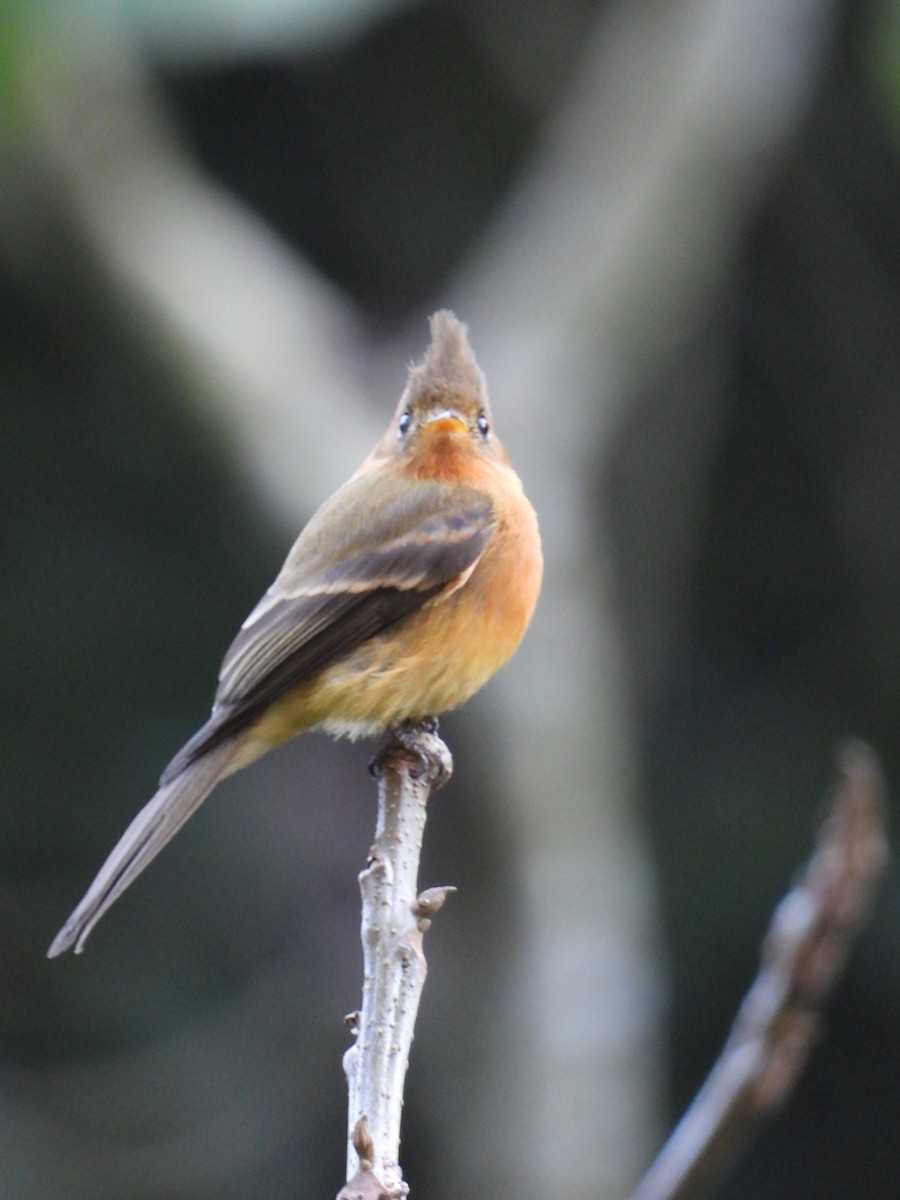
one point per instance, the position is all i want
(311, 617)
(296, 618)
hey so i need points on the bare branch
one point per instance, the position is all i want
(394, 921)
(812, 932)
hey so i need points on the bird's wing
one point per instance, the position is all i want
(341, 586)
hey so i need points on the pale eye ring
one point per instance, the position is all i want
(483, 425)
(404, 423)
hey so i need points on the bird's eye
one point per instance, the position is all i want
(404, 423)
(483, 425)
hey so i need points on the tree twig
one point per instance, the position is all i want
(394, 919)
(812, 932)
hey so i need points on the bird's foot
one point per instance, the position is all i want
(417, 740)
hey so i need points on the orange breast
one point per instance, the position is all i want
(437, 658)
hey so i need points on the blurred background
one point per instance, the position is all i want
(672, 226)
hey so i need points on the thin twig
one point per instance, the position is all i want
(394, 919)
(812, 932)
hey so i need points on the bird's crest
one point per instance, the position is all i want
(449, 367)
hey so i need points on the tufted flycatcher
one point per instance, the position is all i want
(403, 595)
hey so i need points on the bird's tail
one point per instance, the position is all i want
(158, 821)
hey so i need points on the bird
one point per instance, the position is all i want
(404, 593)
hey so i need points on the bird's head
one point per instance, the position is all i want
(444, 407)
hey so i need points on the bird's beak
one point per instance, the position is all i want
(447, 421)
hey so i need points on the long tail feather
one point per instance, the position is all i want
(157, 822)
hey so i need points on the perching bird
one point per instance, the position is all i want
(404, 594)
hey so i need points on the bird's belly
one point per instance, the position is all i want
(434, 662)
(426, 664)
(430, 663)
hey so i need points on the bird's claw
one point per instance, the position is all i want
(419, 741)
